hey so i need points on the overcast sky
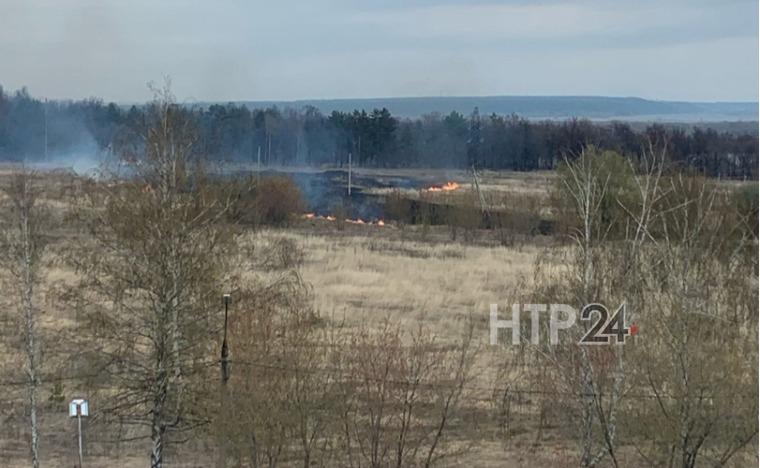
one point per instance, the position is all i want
(695, 50)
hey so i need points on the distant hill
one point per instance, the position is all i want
(541, 107)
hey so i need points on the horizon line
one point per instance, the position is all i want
(190, 99)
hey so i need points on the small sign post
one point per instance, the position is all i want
(77, 409)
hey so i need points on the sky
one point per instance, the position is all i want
(234, 50)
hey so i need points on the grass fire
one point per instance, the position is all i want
(447, 187)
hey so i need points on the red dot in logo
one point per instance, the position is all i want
(633, 329)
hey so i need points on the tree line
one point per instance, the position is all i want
(34, 130)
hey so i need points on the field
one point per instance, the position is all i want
(440, 276)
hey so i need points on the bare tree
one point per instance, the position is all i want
(602, 197)
(587, 182)
(22, 247)
(675, 249)
(152, 281)
(700, 362)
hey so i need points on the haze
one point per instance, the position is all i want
(241, 50)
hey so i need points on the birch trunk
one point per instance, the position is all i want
(22, 248)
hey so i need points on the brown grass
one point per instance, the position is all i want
(359, 275)
(370, 278)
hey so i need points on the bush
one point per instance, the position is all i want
(282, 254)
(745, 201)
(340, 212)
(398, 208)
(463, 212)
(276, 200)
(614, 175)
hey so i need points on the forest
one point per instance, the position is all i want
(33, 129)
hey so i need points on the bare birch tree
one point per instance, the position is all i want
(22, 246)
(588, 184)
(601, 196)
(154, 276)
(700, 360)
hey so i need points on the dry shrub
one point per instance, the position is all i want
(521, 217)
(398, 208)
(745, 202)
(340, 212)
(276, 200)
(403, 393)
(276, 394)
(510, 214)
(741, 207)
(463, 213)
(700, 311)
(282, 254)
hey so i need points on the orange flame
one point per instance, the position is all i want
(447, 187)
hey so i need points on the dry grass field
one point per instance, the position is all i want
(369, 274)
(361, 277)
(370, 277)
(357, 275)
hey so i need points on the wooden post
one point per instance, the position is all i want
(258, 163)
(78, 408)
(481, 199)
(349, 174)
(79, 430)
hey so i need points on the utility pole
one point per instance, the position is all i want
(349, 174)
(258, 163)
(481, 199)
(269, 148)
